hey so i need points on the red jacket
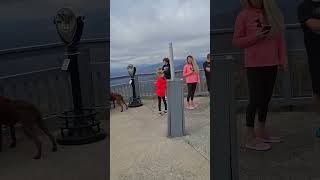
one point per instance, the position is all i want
(161, 86)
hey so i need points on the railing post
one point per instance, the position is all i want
(286, 89)
(224, 144)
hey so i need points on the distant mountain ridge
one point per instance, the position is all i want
(151, 68)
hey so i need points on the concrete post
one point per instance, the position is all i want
(175, 102)
(224, 145)
(175, 95)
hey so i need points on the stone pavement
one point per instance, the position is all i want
(140, 150)
(69, 163)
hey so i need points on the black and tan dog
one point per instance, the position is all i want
(116, 97)
(25, 113)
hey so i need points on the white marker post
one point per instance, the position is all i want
(175, 102)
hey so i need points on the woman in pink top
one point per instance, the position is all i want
(259, 30)
(191, 73)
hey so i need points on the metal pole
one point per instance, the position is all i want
(133, 88)
(75, 81)
(224, 159)
(171, 61)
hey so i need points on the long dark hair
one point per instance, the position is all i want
(166, 60)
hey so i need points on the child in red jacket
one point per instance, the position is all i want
(161, 87)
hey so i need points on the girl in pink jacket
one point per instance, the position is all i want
(259, 30)
(191, 73)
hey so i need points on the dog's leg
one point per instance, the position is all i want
(13, 136)
(119, 103)
(124, 102)
(31, 133)
(47, 132)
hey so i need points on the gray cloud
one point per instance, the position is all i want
(141, 30)
(21, 10)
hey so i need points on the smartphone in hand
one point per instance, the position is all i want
(266, 29)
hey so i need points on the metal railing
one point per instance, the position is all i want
(291, 87)
(147, 87)
(45, 84)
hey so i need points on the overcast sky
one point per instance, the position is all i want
(142, 29)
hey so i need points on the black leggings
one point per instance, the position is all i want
(261, 82)
(164, 102)
(191, 90)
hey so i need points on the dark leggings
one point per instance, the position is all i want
(261, 82)
(191, 90)
(164, 102)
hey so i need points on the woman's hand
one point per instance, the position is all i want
(262, 34)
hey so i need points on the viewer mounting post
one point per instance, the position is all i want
(135, 100)
(80, 125)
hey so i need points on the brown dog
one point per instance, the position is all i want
(115, 97)
(16, 111)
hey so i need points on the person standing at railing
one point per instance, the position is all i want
(166, 68)
(206, 68)
(161, 88)
(259, 29)
(191, 73)
(309, 17)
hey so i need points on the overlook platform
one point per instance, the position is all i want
(140, 150)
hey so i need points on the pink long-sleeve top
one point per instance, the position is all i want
(263, 52)
(191, 76)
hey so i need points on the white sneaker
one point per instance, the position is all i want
(160, 113)
(165, 111)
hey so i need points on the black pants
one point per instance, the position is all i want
(164, 102)
(314, 67)
(208, 83)
(261, 82)
(191, 90)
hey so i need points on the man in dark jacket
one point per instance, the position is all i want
(309, 17)
(206, 68)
